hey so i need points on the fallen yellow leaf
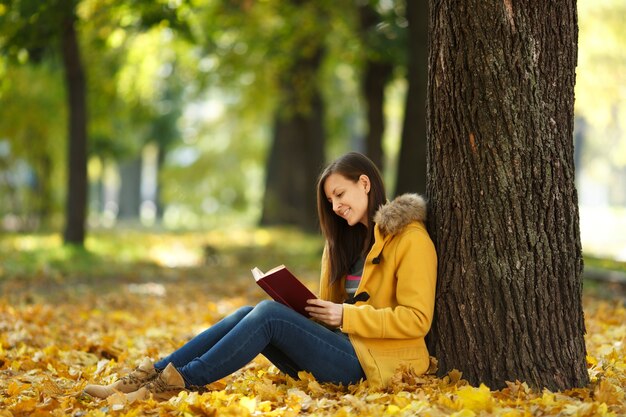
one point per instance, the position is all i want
(476, 399)
(15, 388)
(248, 403)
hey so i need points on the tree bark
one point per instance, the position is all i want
(504, 212)
(297, 151)
(375, 78)
(376, 74)
(411, 175)
(76, 200)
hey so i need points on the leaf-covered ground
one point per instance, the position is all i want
(68, 318)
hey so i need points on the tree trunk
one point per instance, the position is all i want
(158, 200)
(504, 213)
(44, 191)
(411, 175)
(297, 150)
(130, 189)
(96, 191)
(376, 74)
(374, 81)
(76, 200)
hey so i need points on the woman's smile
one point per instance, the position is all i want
(348, 198)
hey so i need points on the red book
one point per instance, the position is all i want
(284, 287)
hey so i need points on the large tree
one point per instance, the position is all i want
(26, 122)
(377, 71)
(411, 173)
(29, 29)
(76, 200)
(297, 150)
(503, 204)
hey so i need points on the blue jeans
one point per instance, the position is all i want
(289, 340)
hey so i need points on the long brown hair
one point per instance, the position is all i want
(346, 243)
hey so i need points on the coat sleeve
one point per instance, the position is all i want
(414, 264)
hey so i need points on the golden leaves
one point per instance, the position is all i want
(15, 388)
(48, 353)
(608, 393)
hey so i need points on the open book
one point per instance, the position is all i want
(284, 287)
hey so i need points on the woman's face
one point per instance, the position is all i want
(349, 199)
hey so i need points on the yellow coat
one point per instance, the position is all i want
(388, 330)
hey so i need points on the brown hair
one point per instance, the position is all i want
(346, 243)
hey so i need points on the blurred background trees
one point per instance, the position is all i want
(206, 113)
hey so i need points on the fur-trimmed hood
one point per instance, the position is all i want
(393, 216)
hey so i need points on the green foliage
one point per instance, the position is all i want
(605, 263)
(32, 124)
(30, 28)
(131, 100)
(135, 253)
(385, 37)
(201, 79)
(134, 82)
(196, 77)
(250, 49)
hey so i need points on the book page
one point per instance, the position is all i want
(271, 271)
(257, 273)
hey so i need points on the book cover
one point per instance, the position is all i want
(280, 284)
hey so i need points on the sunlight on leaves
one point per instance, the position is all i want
(46, 375)
(69, 332)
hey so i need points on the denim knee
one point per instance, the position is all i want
(241, 312)
(267, 309)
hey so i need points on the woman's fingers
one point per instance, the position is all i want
(325, 311)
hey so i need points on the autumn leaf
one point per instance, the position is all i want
(476, 399)
(15, 388)
(606, 392)
(50, 349)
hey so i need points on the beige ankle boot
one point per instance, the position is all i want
(166, 385)
(143, 374)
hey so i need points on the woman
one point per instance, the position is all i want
(376, 303)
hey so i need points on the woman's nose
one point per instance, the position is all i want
(336, 205)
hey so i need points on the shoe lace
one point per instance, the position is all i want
(138, 376)
(159, 385)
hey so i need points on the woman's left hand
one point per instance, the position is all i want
(325, 311)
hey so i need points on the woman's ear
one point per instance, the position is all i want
(364, 180)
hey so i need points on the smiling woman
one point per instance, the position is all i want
(378, 252)
(348, 198)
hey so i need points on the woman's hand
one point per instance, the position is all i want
(325, 311)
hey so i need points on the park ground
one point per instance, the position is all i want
(70, 316)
